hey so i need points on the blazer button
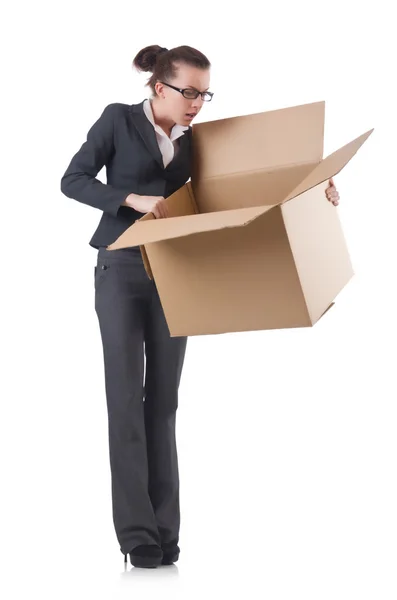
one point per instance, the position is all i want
(103, 267)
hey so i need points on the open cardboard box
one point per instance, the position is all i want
(251, 242)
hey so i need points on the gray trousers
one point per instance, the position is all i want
(143, 366)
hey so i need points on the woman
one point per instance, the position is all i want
(146, 148)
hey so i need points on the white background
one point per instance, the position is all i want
(286, 439)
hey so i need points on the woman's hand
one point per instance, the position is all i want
(332, 193)
(146, 204)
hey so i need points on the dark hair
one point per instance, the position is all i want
(162, 62)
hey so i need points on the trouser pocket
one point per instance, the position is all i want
(101, 272)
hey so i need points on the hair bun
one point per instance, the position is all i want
(146, 58)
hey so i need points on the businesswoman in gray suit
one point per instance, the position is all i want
(146, 149)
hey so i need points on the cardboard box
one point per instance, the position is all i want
(252, 242)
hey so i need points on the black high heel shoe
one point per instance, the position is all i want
(147, 556)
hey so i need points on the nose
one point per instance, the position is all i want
(197, 103)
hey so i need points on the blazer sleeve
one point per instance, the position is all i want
(79, 180)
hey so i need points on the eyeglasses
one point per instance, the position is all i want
(191, 94)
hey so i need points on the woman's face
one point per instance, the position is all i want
(174, 104)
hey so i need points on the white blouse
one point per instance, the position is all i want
(167, 145)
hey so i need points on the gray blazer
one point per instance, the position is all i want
(123, 140)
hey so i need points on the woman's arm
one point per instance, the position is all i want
(79, 181)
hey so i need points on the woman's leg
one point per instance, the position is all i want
(122, 289)
(164, 361)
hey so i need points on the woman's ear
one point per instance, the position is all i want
(159, 87)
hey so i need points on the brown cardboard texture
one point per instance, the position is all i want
(251, 242)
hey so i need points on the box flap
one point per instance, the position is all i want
(319, 248)
(180, 203)
(157, 230)
(330, 166)
(259, 141)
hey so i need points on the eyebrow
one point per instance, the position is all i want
(193, 88)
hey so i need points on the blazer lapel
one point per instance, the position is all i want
(146, 131)
(148, 135)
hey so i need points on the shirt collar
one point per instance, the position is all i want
(176, 131)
